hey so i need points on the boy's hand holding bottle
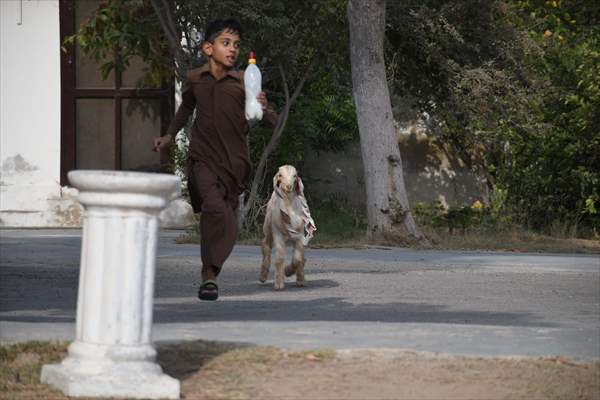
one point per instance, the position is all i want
(262, 99)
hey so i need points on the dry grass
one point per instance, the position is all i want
(513, 240)
(210, 370)
(20, 367)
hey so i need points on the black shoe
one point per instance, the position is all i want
(208, 290)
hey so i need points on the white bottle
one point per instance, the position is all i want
(252, 84)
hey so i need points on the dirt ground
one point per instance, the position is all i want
(209, 370)
(385, 374)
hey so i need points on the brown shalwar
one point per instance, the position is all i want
(219, 159)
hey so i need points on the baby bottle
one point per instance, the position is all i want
(252, 84)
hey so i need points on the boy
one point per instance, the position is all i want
(219, 157)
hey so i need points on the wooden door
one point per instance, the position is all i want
(107, 124)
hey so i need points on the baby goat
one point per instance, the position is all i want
(287, 220)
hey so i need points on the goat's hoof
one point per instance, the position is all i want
(300, 283)
(279, 287)
(263, 276)
(289, 270)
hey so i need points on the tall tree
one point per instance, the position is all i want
(388, 209)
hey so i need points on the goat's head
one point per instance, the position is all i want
(287, 180)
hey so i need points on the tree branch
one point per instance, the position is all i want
(302, 82)
(286, 89)
(170, 30)
(170, 19)
(171, 37)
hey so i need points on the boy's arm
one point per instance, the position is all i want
(182, 115)
(186, 109)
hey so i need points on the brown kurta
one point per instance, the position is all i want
(219, 158)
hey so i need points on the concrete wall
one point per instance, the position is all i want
(30, 193)
(430, 174)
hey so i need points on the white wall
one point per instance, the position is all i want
(30, 194)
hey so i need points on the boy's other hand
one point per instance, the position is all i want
(262, 99)
(161, 141)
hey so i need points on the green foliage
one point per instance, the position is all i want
(477, 217)
(120, 30)
(552, 170)
(337, 221)
(328, 122)
(499, 207)
(179, 156)
(514, 87)
(322, 120)
(433, 214)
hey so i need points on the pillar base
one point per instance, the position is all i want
(138, 380)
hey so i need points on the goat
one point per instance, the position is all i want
(287, 220)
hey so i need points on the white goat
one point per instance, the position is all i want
(287, 220)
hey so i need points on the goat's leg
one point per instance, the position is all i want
(298, 262)
(290, 269)
(267, 244)
(293, 265)
(279, 245)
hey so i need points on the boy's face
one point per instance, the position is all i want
(224, 50)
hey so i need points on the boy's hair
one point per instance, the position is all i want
(217, 26)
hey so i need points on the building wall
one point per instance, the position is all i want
(30, 192)
(430, 174)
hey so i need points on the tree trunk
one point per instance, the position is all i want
(388, 210)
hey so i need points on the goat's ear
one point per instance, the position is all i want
(299, 187)
(276, 181)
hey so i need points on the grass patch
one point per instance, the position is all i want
(191, 362)
(515, 239)
(20, 368)
(214, 370)
(337, 226)
(314, 355)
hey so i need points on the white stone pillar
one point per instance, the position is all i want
(112, 355)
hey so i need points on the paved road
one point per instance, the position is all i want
(471, 303)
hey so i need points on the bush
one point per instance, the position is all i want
(479, 217)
